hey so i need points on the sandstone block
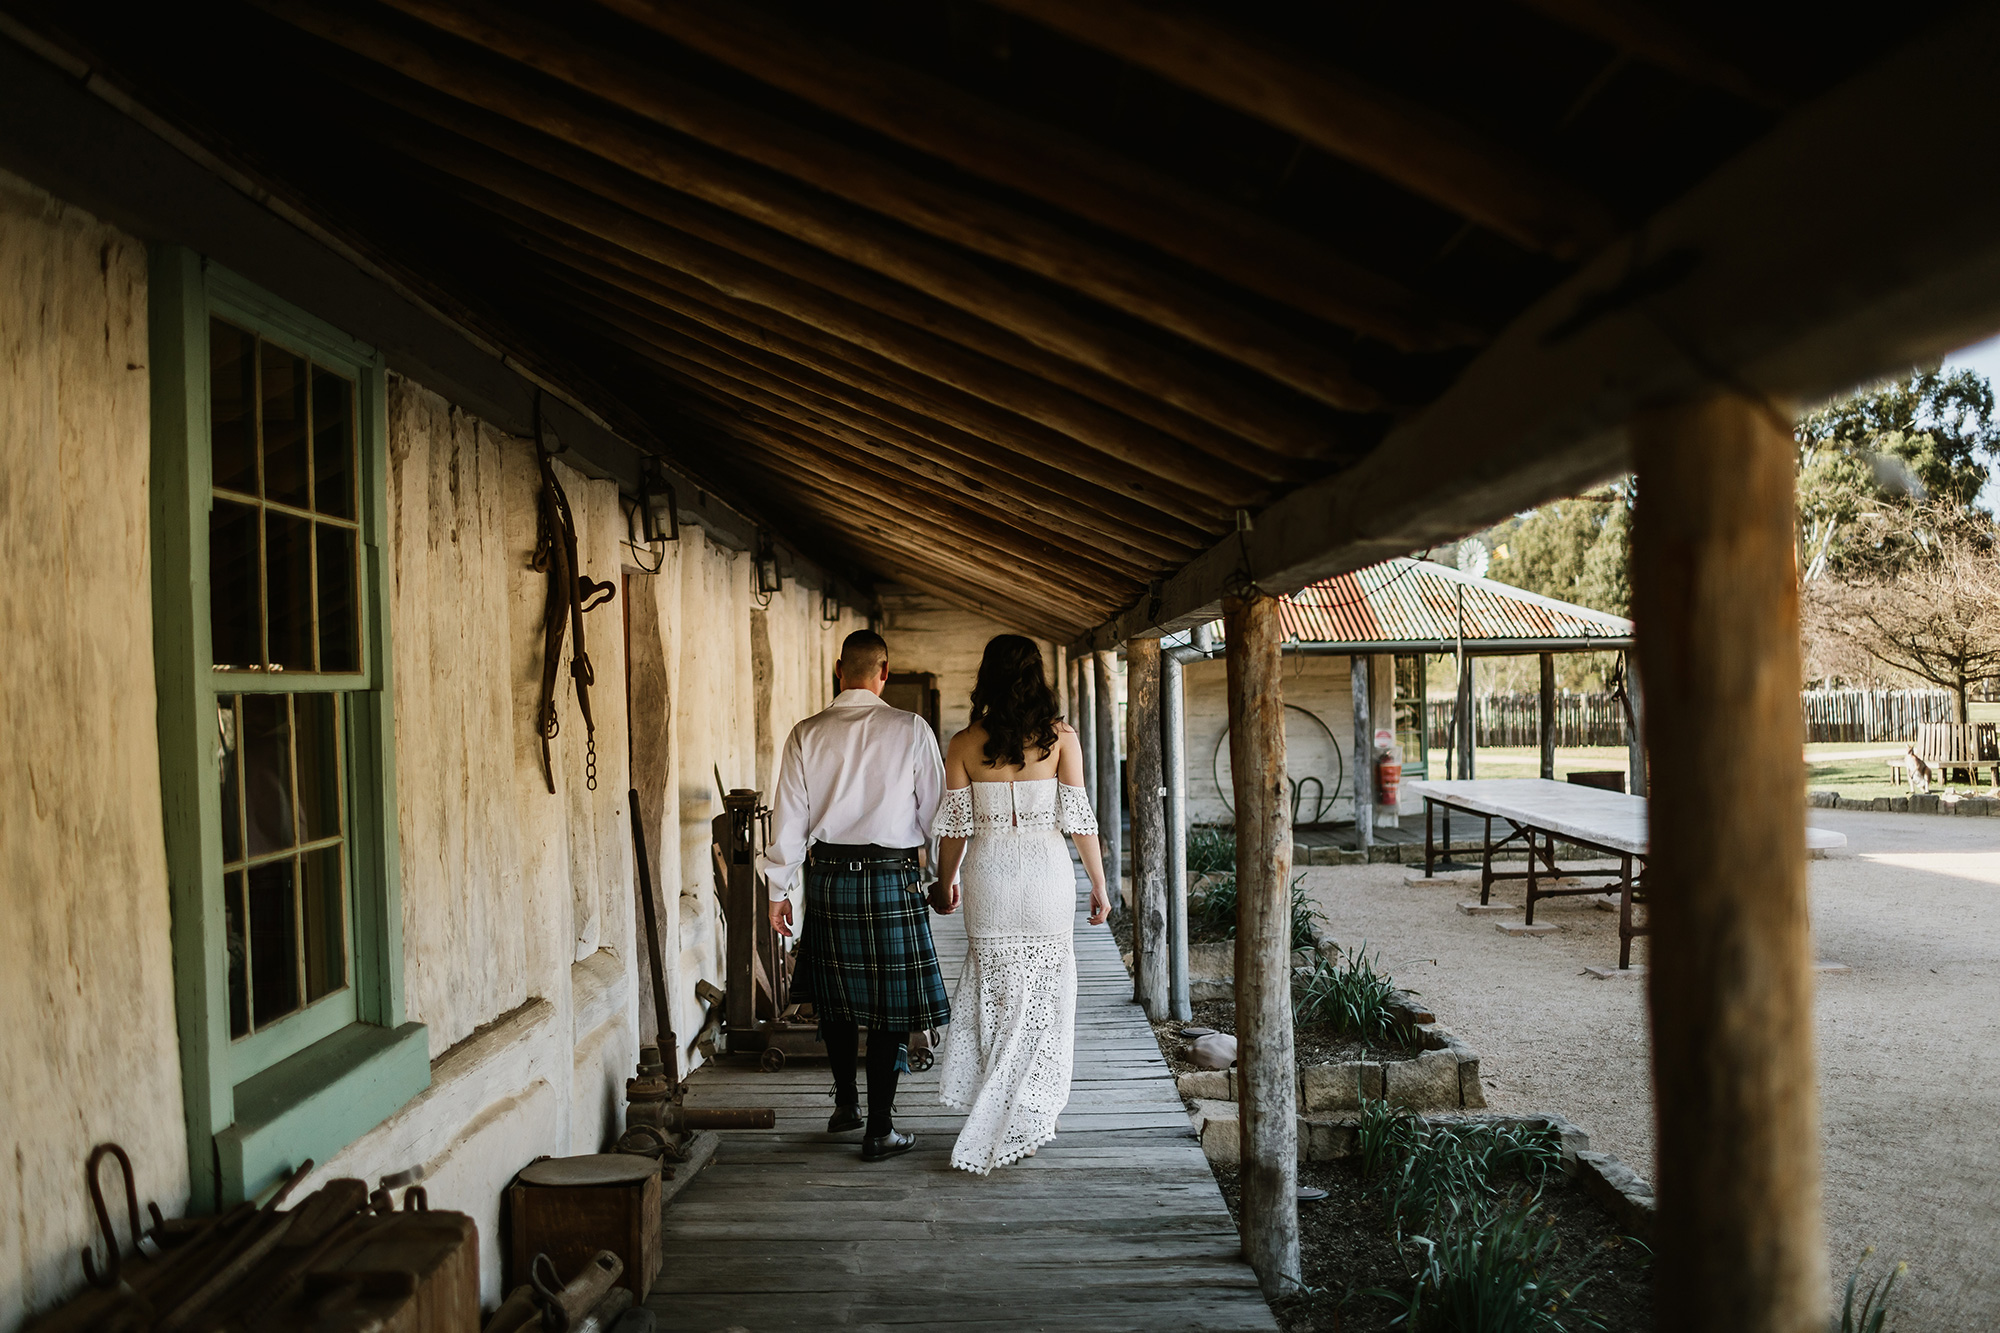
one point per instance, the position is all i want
(1522, 928)
(1216, 1123)
(1212, 1084)
(1340, 1087)
(1327, 1140)
(1427, 1083)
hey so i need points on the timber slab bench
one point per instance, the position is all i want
(1537, 812)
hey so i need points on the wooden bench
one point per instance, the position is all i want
(1953, 751)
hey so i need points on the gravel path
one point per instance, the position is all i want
(1909, 1040)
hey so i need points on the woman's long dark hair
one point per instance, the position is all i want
(1012, 699)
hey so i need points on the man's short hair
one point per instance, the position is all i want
(862, 655)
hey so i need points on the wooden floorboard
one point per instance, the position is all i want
(1118, 1224)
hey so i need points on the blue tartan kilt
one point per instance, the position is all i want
(865, 950)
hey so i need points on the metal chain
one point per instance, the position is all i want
(590, 762)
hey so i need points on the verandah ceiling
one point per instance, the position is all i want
(1021, 301)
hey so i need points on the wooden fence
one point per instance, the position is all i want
(1598, 718)
(1865, 716)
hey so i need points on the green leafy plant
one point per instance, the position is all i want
(1487, 1271)
(1217, 909)
(1386, 1136)
(1350, 995)
(1210, 850)
(1873, 1315)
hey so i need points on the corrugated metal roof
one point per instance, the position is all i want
(1414, 601)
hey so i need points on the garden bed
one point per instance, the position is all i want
(1313, 1043)
(1349, 1249)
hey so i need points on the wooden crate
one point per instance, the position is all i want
(569, 1208)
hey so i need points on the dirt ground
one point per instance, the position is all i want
(1909, 1040)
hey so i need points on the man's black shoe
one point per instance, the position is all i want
(843, 1119)
(888, 1145)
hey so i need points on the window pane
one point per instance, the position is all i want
(339, 617)
(318, 720)
(235, 637)
(324, 898)
(267, 772)
(284, 426)
(239, 990)
(274, 942)
(288, 580)
(227, 760)
(232, 397)
(333, 444)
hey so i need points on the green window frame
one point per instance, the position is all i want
(262, 1092)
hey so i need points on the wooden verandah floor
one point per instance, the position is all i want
(1118, 1224)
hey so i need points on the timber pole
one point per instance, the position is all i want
(1635, 728)
(1149, 826)
(1108, 811)
(1173, 759)
(1740, 1244)
(1362, 769)
(1467, 724)
(1267, 1079)
(1086, 731)
(1548, 716)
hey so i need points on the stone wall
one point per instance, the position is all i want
(88, 1048)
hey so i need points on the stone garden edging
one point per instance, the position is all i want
(1924, 803)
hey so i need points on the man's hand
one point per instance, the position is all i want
(1100, 905)
(781, 916)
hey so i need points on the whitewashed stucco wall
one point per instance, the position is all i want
(518, 905)
(1323, 686)
(88, 1050)
(925, 633)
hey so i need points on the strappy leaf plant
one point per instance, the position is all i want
(1348, 992)
(1876, 1302)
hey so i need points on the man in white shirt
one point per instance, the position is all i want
(858, 786)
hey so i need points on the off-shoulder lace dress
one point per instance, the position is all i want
(1008, 1054)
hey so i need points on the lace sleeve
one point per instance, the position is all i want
(954, 816)
(1076, 812)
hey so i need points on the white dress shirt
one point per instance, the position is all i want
(861, 771)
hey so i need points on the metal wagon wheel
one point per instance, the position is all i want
(1329, 791)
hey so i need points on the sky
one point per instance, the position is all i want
(1984, 358)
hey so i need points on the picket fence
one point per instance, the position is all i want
(1598, 717)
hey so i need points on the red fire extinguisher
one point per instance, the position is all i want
(1388, 778)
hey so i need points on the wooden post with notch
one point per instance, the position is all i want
(1548, 736)
(1715, 598)
(1106, 794)
(1149, 826)
(1266, 1078)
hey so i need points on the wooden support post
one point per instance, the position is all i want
(1266, 1078)
(1740, 1244)
(1173, 762)
(1635, 729)
(1549, 716)
(1108, 812)
(1468, 725)
(1361, 765)
(1086, 730)
(1149, 825)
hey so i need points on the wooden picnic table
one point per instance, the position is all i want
(1538, 813)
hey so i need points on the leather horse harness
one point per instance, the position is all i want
(571, 593)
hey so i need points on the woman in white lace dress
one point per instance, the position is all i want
(1013, 788)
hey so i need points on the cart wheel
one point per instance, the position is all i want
(773, 1061)
(921, 1060)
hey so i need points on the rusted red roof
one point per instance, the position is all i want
(1404, 601)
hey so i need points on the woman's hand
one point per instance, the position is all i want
(1100, 905)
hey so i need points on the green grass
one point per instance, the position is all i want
(1210, 850)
